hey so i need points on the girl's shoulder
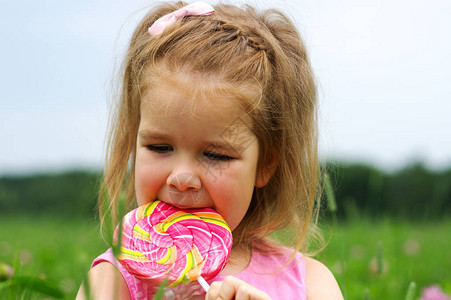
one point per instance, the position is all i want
(320, 281)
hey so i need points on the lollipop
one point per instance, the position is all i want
(162, 241)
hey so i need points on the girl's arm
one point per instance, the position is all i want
(105, 282)
(320, 282)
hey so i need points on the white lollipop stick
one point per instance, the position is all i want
(203, 283)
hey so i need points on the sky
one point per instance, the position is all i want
(383, 69)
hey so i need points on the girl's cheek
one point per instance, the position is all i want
(145, 192)
(146, 185)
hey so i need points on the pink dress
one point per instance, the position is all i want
(262, 272)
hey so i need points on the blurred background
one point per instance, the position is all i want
(383, 72)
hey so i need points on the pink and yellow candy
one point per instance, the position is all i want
(160, 240)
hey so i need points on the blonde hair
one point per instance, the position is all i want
(242, 47)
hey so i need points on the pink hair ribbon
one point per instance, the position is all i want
(193, 9)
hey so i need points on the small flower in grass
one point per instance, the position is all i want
(6, 272)
(434, 292)
(25, 257)
(6, 249)
(338, 267)
(378, 266)
(68, 285)
(358, 252)
(411, 247)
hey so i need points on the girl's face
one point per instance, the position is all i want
(196, 152)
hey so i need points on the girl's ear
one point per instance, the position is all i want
(265, 173)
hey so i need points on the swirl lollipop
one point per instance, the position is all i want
(160, 240)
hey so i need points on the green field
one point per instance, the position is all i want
(418, 252)
(61, 252)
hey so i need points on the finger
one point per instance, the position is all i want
(213, 291)
(234, 288)
(229, 288)
(243, 293)
(248, 292)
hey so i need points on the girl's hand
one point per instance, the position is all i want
(234, 288)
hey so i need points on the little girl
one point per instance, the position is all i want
(218, 110)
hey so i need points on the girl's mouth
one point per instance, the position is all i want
(185, 199)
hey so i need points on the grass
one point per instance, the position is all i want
(382, 258)
(54, 249)
(61, 251)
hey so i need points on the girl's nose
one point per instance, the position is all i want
(184, 181)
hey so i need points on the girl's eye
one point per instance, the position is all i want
(217, 156)
(160, 148)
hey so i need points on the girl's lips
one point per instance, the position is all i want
(182, 207)
(185, 199)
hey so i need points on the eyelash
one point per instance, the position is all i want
(217, 157)
(160, 148)
(208, 154)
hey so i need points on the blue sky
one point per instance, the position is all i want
(383, 71)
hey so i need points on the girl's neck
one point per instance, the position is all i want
(238, 261)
